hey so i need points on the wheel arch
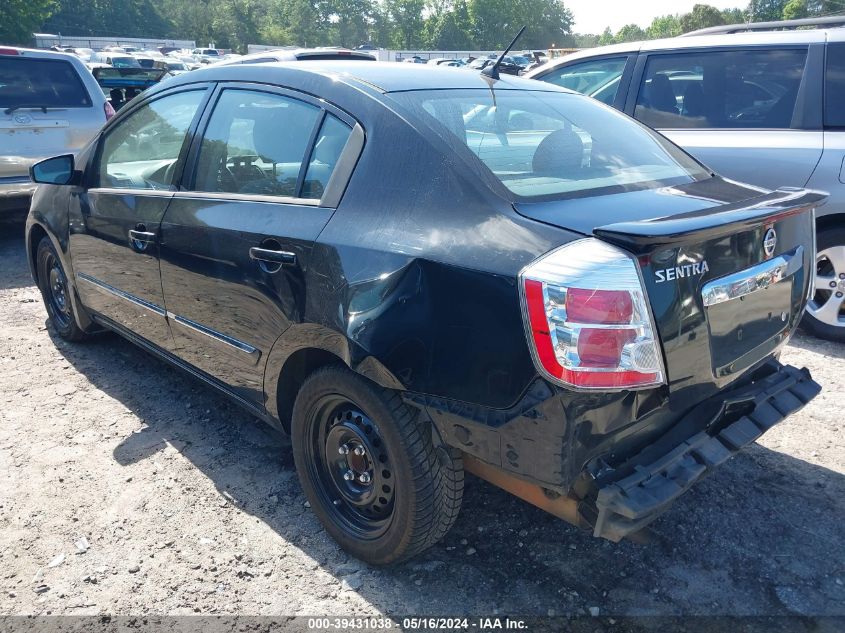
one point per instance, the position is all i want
(832, 220)
(305, 348)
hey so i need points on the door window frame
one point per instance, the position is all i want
(91, 179)
(808, 102)
(337, 182)
(624, 79)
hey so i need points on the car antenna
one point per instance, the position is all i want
(492, 70)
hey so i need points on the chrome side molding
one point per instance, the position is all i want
(214, 334)
(117, 292)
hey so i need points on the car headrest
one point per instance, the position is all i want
(660, 94)
(559, 154)
(694, 102)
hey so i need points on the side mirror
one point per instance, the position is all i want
(53, 171)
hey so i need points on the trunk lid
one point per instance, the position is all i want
(726, 268)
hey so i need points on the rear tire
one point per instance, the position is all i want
(56, 291)
(825, 315)
(370, 469)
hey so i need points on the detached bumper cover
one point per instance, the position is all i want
(628, 504)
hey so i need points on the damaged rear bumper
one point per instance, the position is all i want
(630, 496)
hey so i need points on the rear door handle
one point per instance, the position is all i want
(142, 236)
(272, 256)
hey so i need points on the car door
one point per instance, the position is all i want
(830, 173)
(236, 239)
(129, 183)
(749, 114)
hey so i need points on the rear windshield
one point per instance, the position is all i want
(541, 144)
(27, 82)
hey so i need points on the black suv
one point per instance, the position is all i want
(418, 271)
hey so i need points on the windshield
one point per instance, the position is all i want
(553, 143)
(40, 83)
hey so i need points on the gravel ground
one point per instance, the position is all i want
(127, 487)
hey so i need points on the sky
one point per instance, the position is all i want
(592, 16)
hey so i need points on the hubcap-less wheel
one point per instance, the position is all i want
(57, 291)
(829, 291)
(351, 467)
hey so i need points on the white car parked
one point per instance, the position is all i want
(49, 104)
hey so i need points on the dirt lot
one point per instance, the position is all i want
(127, 487)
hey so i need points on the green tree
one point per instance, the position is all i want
(495, 22)
(449, 28)
(606, 37)
(407, 20)
(765, 10)
(19, 19)
(629, 33)
(701, 17)
(664, 26)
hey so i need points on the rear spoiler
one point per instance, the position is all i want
(645, 235)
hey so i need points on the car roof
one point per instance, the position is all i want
(754, 38)
(38, 53)
(382, 76)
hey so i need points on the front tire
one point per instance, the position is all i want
(825, 315)
(370, 469)
(55, 291)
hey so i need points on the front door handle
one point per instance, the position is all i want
(272, 256)
(142, 236)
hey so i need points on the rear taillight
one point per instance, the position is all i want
(587, 318)
(9, 51)
(108, 109)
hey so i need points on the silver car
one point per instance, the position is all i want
(759, 105)
(49, 104)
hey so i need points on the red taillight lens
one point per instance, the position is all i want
(9, 51)
(109, 110)
(602, 348)
(587, 318)
(598, 306)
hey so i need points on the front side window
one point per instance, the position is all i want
(556, 144)
(834, 86)
(255, 144)
(724, 89)
(596, 78)
(142, 150)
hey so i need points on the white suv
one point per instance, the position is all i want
(49, 104)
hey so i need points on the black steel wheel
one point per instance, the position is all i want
(370, 469)
(349, 461)
(56, 291)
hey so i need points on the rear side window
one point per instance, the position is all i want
(330, 143)
(256, 144)
(598, 78)
(27, 82)
(724, 89)
(834, 86)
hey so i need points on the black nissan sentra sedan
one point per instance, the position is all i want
(420, 271)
